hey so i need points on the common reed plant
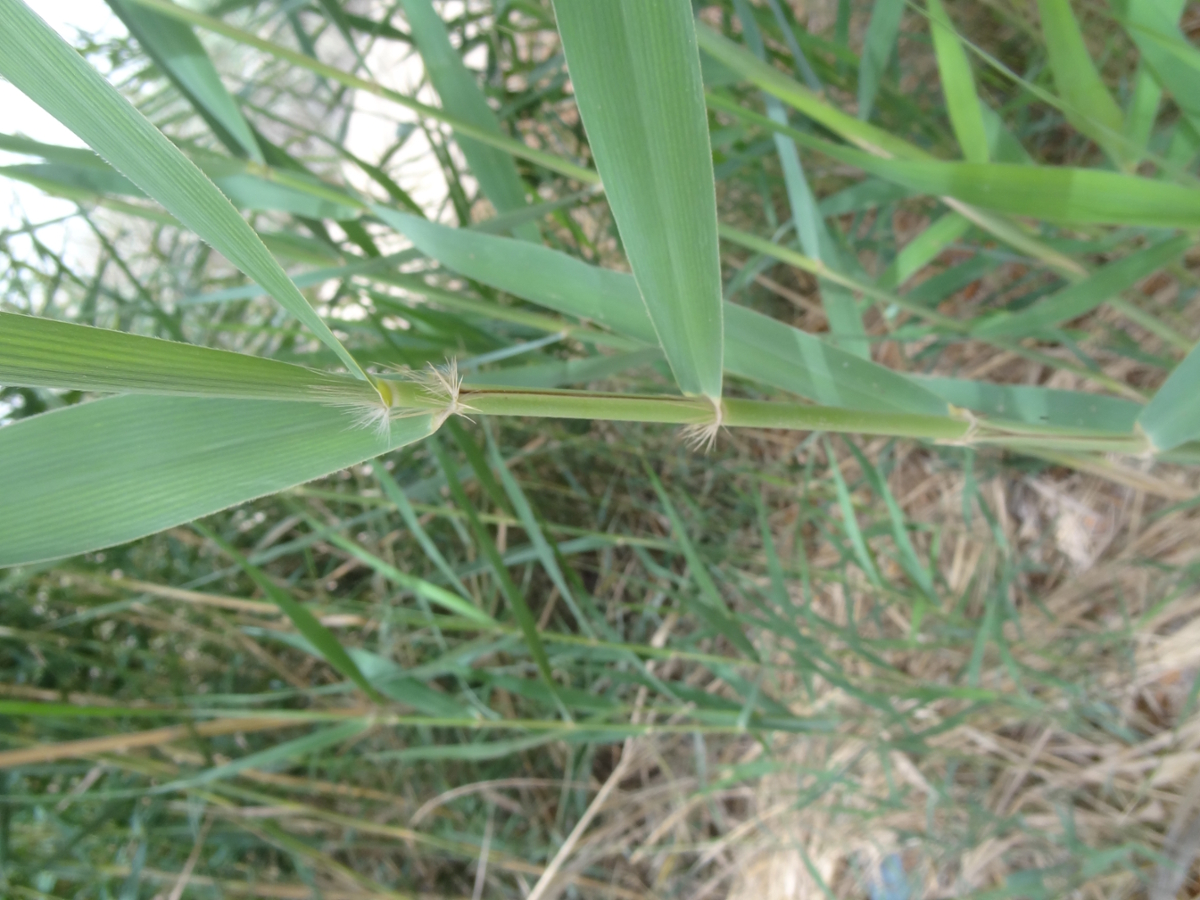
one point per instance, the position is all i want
(510, 547)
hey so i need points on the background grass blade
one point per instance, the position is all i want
(36, 351)
(845, 322)
(636, 73)
(1068, 196)
(1172, 417)
(179, 54)
(461, 96)
(1164, 51)
(958, 86)
(883, 29)
(321, 638)
(45, 68)
(1090, 108)
(101, 473)
(512, 594)
(1084, 296)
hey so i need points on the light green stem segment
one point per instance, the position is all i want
(737, 413)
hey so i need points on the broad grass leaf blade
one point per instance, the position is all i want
(181, 57)
(883, 28)
(765, 350)
(635, 68)
(575, 371)
(1172, 417)
(756, 346)
(958, 86)
(1084, 296)
(321, 638)
(462, 97)
(38, 352)
(1090, 108)
(845, 322)
(65, 178)
(51, 73)
(1037, 405)
(106, 472)
(1005, 230)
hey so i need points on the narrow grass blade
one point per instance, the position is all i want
(439, 596)
(1141, 113)
(845, 322)
(321, 638)
(883, 28)
(876, 161)
(756, 347)
(636, 73)
(958, 86)
(1154, 27)
(49, 71)
(37, 352)
(850, 520)
(1084, 296)
(318, 740)
(533, 530)
(512, 594)
(1090, 108)
(1060, 194)
(768, 78)
(923, 249)
(461, 96)
(909, 560)
(101, 473)
(713, 607)
(1172, 417)
(396, 494)
(181, 57)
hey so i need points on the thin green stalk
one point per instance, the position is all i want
(698, 413)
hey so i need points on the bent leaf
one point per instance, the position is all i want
(756, 346)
